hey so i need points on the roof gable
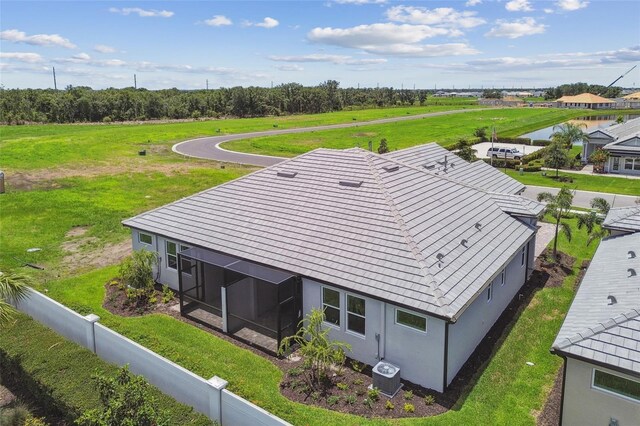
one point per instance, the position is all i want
(623, 218)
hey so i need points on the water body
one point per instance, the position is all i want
(592, 122)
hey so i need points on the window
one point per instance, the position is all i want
(145, 238)
(628, 163)
(411, 320)
(524, 253)
(331, 306)
(615, 384)
(502, 277)
(185, 267)
(355, 314)
(172, 255)
(636, 164)
(489, 292)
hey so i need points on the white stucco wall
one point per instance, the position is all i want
(419, 355)
(162, 274)
(479, 317)
(585, 405)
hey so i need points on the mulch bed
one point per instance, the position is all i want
(546, 274)
(116, 302)
(550, 415)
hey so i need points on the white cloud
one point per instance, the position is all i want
(518, 6)
(334, 59)
(30, 58)
(268, 23)
(391, 39)
(571, 5)
(143, 13)
(218, 21)
(37, 39)
(515, 29)
(471, 3)
(103, 48)
(441, 16)
(547, 10)
(360, 2)
(290, 67)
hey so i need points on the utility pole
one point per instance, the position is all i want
(135, 82)
(207, 84)
(55, 84)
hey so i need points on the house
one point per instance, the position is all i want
(600, 339)
(410, 264)
(622, 220)
(631, 100)
(585, 100)
(622, 142)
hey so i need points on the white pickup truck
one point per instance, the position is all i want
(508, 153)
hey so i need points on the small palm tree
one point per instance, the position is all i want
(569, 133)
(592, 220)
(13, 288)
(557, 206)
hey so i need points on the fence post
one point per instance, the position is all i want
(215, 398)
(92, 319)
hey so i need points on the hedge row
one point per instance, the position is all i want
(57, 372)
(511, 164)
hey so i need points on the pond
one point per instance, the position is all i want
(591, 122)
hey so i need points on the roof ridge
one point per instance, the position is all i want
(633, 210)
(599, 328)
(411, 243)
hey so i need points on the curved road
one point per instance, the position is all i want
(209, 147)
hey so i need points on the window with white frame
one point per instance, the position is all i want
(407, 319)
(618, 385)
(502, 277)
(356, 314)
(628, 163)
(489, 292)
(186, 265)
(145, 238)
(524, 254)
(172, 257)
(331, 305)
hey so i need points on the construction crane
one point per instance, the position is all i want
(617, 79)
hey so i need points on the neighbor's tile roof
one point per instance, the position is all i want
(478, 173)
(622, 131)
(623, 218)
(404, 235)
(597, 329)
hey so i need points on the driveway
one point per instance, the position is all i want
(209, 147)
(482, 148)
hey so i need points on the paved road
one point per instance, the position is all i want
(209, 147)
(583, 198)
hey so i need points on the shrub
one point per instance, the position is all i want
(350, 399)
(408, 395)
(540, 142)
(342, 386)
(409, 408)
(35, 421)
(374, 394)
(296, 371)
(14, 416)
(106, 119)
(126, 400)
(368, 402)
(429, 399)
(137, 270)
(358, 382)
(315, 395)
(499, 163)
(167, 294)
(357, 366)
(535, 155)
(384, 147)
(389, 405)
(333, 400)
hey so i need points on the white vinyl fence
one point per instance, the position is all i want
(208, 397)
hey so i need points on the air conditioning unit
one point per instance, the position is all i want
(386, 377)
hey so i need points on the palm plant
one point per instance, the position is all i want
(13, 288)
(569, 133)
(557, 206)
(592, 220)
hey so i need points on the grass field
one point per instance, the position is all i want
(443, 130)
(614, 185)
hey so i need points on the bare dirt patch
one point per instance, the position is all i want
(85, 253)
(76, 231)
(366, 134)
(552, 273)
(116, 302)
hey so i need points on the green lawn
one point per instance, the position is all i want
(41, 146)
(610, 184)
(444, 130)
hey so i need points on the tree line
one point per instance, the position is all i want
(83, 104)
(578, 88)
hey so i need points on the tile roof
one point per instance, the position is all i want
(478, 173)
(623, 218)
(358, 220)
(517, 205)
(597, 329)
(621, 131)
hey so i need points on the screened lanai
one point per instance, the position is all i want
(255, 303)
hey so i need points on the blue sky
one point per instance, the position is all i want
(426, 44)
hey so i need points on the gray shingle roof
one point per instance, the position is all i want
(478, 173)
(517, 205)
(623, 218)
(595, 329)
(621, 131)
(381, 238)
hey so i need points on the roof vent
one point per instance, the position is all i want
(392, 168)
(463, 243)
(612, 300)
(430, 166)
(439, 256)
(351, 183)
(287, 174)
(632, 272)
(478, 226)
(631, 254)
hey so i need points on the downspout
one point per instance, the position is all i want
(446, 357)
(382, 336)
(564, 382)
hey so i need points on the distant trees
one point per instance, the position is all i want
(481, 132)
(577, 88)
(492, 94)
(465, 150)
(383, 148)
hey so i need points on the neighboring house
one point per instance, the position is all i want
(622, 220)
(585, 100)
(632, 100)
(622, 142)
(600, 339)
(409, 264)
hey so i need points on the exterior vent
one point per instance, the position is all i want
(386, 377)
(287, 174)
(612, 300)
(439, 256)
(351, 183)
(391, 168)
(478, 226)
(430, 166)
(463, 243)
(631, 254)
(632, 272)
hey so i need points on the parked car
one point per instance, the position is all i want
(508, 153)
